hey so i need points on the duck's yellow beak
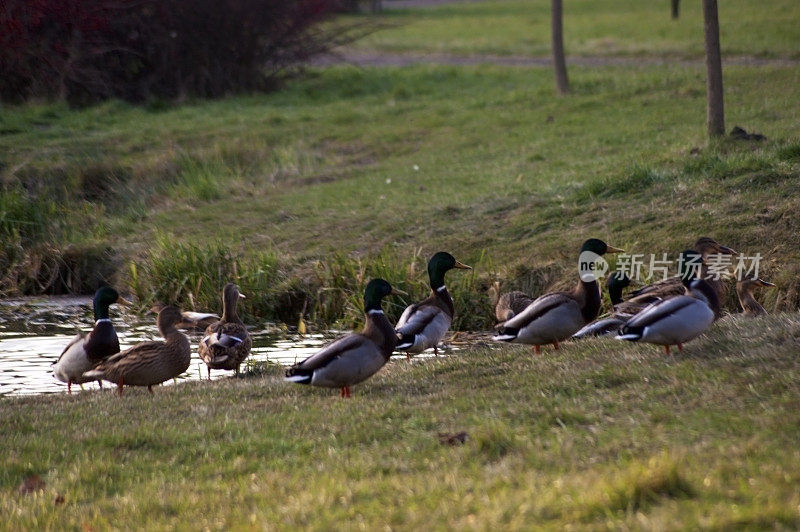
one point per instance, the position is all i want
(764, 283)
(612, 249)
(122, 301)
(461, 266)
(242, 295)
(398, 292)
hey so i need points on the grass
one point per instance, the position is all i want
(482, 161)
(605, 28)
(599, 434)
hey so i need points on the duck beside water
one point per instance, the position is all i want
(85, 351)
(355, 357)
(149, 363)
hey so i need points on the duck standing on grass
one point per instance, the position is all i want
(424, 324)
(356, 357)
(556, 316)
(744, 289)
(678, 319)
(149, 363)
(87, 350)
(226, 343)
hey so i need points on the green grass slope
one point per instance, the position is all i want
(598, 435)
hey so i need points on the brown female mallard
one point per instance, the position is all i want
(744, 289)
(508, 304)
(149, 363)
(226, 343)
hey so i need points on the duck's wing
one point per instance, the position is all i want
(659, 311)
(423, 316)
(78, 338)
(538, 308)
(332, 351)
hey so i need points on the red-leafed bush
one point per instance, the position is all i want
(84, 50)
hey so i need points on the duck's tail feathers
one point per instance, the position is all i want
(94, 374)
(300, 376)
(506, 334)
(406, 341)
(629, 333)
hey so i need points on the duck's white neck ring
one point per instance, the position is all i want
(441, 289)
(103, 320)
(374, 311)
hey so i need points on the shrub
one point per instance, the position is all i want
(84, 50)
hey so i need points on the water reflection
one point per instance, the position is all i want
(33, 334)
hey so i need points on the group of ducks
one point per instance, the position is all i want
(96, 355)
(670, 312)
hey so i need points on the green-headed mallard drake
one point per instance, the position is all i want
(85, 351)
(226, 343)
(508, 304)
(149, 363)
(424, 324)
(556, 316)
(678, 319)
(673, 286)
(616, 283)
(191, 321)
(356, 357)
(744, 289)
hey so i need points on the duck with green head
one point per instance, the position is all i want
(355, 357)
(678, 319)
(226, 343)
(424, 324)
(556, 316)
(87, 350)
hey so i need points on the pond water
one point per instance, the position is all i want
(34, 332)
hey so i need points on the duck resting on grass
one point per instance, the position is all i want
(678, 319)
(616, 283)
(226, 343)
(355, 357)
(508, 304)
(424, 324)
(556, 316)
(744, 289)
(149, 363)
(87, 350)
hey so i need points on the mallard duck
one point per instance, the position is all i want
(673, 286)
(191, 321)
(226, 343)
(508, 304)
(556, 316)
(616, 283)
(355, 357)
(86, 350)
(744, 289)
(149, 363)
(678, 319)
(424, 324)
